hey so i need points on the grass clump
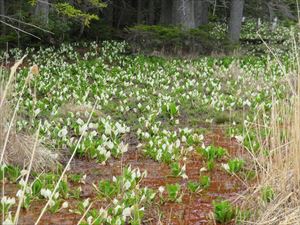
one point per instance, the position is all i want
(16, 148)
(212, 153)
(173, 191)
(224, 212)
(267, 194)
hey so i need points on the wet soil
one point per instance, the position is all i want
(195, 209)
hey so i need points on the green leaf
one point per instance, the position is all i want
(193, 186)
(173, 191)
(224, 212)
(205, 182)
(36, 187)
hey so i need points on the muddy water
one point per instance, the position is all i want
(195, 209)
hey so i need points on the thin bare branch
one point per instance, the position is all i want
(16, 28)
(28, 24)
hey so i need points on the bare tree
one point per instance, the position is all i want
(151, 9)
(42, 11)
(235, 20)
(109, 13)
(166, 12)
(183, 13)
(139, 12)
(270, 6)
(201, 12)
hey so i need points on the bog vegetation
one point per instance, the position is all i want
(132, 132)
(102, 104)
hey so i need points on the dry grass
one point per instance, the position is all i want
(17, 148)
(279, 170)
(19, 151)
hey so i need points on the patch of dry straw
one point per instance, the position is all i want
(19, 147)
(280, 168)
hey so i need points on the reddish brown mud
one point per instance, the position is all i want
(195, 209)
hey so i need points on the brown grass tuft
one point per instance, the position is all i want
(19, 147)
(278, 161)
(280, 170)
(19, 150)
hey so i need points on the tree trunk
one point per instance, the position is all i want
(139, 12)
(166, 12)
(42, 11)
(120, 11)
(81, 31)
(2, 12)
(109, 14)
(201, 12)
(151, 12)
(82, 25)
(270, 6)
(183, 13)
(235, 20)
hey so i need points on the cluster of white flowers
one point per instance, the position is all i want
(8, 201)
(149, 98)
(123, 209)
(161, 142)
(47, 193)
(225, 166)
(146, 90)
